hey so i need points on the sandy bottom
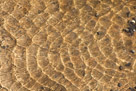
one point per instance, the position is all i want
(67, 45)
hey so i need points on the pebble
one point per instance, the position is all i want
(133, 21)
(96, 14)
(39, 11)
(128, 64)
(130, 31)
(128, 14)
(132, 25)
(120, 67)
(119, 84)
(132, 89)
(98, 33)
(42, 87)
(125, 30)
(132, 51)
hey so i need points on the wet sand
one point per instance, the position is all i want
(67, 45)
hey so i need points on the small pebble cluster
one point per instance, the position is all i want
(132, 89)
(131, 27)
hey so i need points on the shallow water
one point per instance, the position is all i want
(67, 45)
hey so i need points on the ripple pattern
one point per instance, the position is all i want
(67, 45)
